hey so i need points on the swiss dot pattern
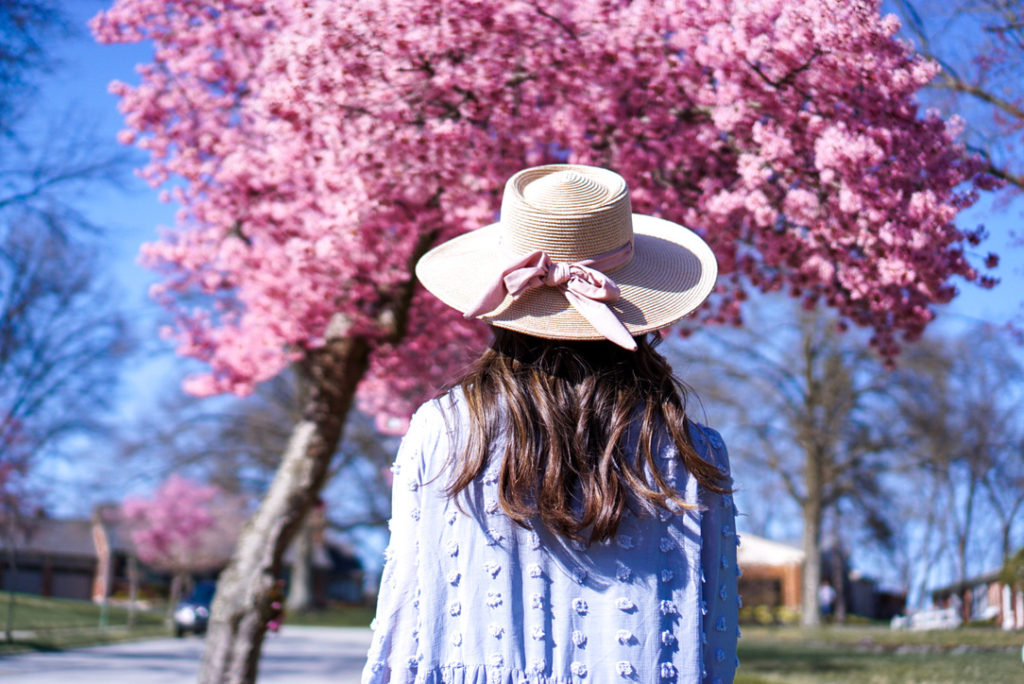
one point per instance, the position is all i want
(474, 599)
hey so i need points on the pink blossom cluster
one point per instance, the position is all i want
(186, 525)
(312, 144)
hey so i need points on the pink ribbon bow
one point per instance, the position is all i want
(582, 282)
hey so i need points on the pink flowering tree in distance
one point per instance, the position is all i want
(184, 528)
(318, 147)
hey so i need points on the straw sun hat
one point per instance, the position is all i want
(569, 260)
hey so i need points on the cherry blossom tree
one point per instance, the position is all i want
(318, 147)
(184, 528)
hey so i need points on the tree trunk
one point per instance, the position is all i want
(838, 575)
(300, 578)
(245, 590)
(810, 615)
(133, 589)
(178, 580)
(12, 566)
(963, 538)
(9, 621)
(242, 607)
(1006, 529)
(812, 513)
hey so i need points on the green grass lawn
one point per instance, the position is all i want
(835, 655)
(50, 624)
(348, 616)
(41, 612)
(768, 655)
(878, 655)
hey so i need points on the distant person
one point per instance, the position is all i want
(826, 599)
(556, 515)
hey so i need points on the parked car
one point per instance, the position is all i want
(193, 614)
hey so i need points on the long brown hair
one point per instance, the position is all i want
(569, 412)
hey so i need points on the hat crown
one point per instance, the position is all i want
(566, 192)
(569, 211)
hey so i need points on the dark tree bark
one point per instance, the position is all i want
(242, 605)
(329, 375)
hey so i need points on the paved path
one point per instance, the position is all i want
(297, 655)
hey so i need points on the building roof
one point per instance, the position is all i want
(756, 550)
(64, 537)
(959, 587)
(73, 537)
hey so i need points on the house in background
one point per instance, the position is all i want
(865, 597)
(91, 558)
(984, 598)
(336, 573)
(88, 559)
(50, 557)
(771, 572)
(74, 558)
(346, 580)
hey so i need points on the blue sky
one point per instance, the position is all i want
(131, 215)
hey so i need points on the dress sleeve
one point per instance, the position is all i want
(719, 574)
(393, 655)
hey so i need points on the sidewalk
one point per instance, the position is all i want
(297, 655)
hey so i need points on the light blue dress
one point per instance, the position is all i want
(475, 599)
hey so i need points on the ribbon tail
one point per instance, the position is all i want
(604, 320)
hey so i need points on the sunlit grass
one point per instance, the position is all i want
(877, 655)
(347, 616)
(41, 623)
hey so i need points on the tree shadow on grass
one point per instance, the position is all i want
(28, 646)
(803, 660)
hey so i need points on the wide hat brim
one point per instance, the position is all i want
(671, 273)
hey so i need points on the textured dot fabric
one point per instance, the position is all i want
(469, 597)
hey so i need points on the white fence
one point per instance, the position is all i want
(943, 618)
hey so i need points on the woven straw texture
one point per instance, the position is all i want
(574, 213)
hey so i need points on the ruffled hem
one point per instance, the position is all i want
(492, 674)
(484, 674)
(461, 674)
